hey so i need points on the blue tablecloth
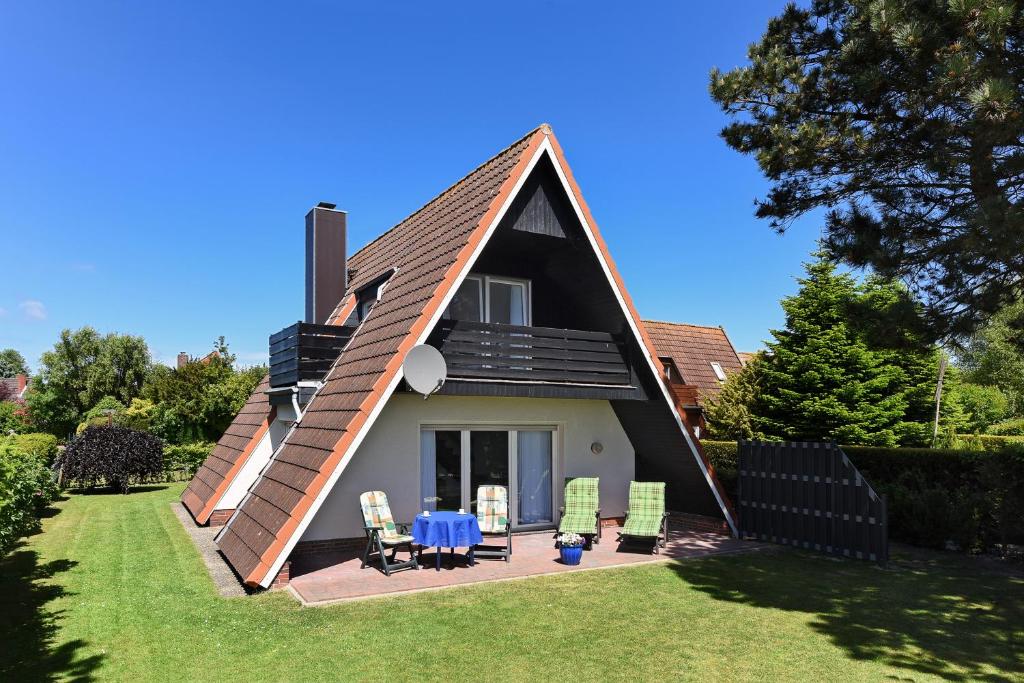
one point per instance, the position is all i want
(446, 530)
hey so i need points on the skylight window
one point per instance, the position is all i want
(719, 372)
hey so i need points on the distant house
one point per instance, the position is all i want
(746, 356)
(696, 360)
(184, 359)
(550, 374)
(14, 387)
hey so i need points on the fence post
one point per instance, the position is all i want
(884, 519)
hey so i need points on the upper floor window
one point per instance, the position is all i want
(491, 299)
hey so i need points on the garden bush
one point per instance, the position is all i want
(14, 417)
(114, 456)
(972, 498)
(182, 460)
(36, 443)
(27, 487)
(1013, 427)
(984, 442)
(722, 456)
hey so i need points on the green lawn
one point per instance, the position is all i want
(113, 589)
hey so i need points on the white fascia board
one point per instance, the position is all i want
(375, 412)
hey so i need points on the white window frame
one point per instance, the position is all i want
(515, 282)
(719, 371)
(557, 482)
(484, 294)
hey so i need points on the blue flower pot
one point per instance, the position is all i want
(571, 556)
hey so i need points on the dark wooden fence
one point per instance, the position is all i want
(539, 354)
(810, 495)
(304, 352)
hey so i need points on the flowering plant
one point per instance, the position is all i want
(570, 540)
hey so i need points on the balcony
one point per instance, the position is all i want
(557, 362)
(304, 352)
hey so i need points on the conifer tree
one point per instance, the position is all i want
(830, 373)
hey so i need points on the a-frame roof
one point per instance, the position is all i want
(429, 253)
(235, 446)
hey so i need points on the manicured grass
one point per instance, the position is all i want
(114, 589)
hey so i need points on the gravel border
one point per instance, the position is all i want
(224, 578)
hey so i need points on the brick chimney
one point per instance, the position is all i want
(182, 360)
(22, 383)
(326, 276)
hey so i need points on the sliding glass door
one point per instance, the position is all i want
(534, 479)
(454, 463)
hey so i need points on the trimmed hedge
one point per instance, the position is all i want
(182, 460)
(27, 487)
(34, 443)
(985, 442)
(1008, 428)
(971, 498)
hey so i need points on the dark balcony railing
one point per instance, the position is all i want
(491, 351)
(304, 352)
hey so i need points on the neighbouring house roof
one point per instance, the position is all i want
(15, 390)
(693, 348)
(229, 455)
(428, 253)
(746, 356)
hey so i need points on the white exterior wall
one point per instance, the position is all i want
(259, 458)
(389, 457)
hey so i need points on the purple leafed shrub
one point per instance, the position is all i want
(115, 456)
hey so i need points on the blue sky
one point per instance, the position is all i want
(157, 159)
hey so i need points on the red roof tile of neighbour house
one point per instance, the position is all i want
(426, 254)
(13, 387)
(228, 456)
(693, 349)
(746, 356)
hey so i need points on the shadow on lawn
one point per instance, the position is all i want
(107, 491)
(928, 612)
(28, 628)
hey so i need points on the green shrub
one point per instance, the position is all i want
(101, 415)
(182, 460)
(974, 498)
(985, 442)
(27, 487)
(138, 415)
(36, 443)
(981, 406)
(1013, 427)
(722, 455)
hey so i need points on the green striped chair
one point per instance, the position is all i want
(581, 512)
(492, 516)
(646, 519)
(382, 532)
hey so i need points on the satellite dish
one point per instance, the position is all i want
(425, 369)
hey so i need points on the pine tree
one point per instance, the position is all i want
(903, 120)
(830, 375)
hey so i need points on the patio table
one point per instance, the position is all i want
(444, 529)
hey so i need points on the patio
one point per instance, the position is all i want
(329, 577)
